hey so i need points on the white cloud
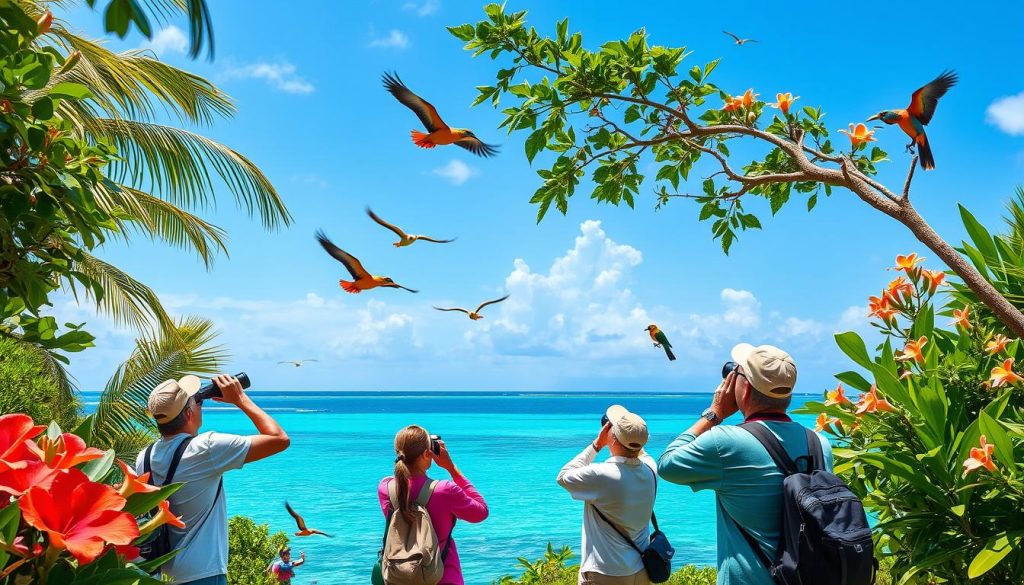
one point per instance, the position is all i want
(1007, 114)
(395, 39)
(167, 40)
(425, 8)
(456, 171)
(311, 180)
(280, 75)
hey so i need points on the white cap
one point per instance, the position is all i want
(167, 400)
(629, 429)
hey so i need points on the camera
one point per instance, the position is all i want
(728, 368)
(434, 445)
(210, 390)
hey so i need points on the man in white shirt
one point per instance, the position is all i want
(201, 503)
(622, 488)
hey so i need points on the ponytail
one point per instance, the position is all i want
(410, 444)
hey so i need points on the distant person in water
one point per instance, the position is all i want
(619, 500)
(451, 499)
(284, 569)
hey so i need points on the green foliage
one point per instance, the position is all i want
(616, 110)
(251, 549)
(31, 384)
(120, 15)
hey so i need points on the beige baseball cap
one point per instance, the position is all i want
(769, 370)
(167, 400)
(629, 429)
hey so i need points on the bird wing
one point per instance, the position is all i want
(459, 309)
(923, 102)
(662, 339)
(396, 285)
(286, 362)
(393, 228)
(309, 360)
(298, 519)
(352, 263)
(732, 35)
(426, 239)
(424, 111)
(321, 533)
(474, 145)
(482, 305)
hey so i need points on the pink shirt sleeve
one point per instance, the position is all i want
(382, 495)
(462, 500)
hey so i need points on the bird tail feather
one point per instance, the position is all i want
(349, 287)
(925, 150)
(421, 139)
(668, 352)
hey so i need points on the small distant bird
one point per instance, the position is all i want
(658, 336)
(404, 238)
(439, 132)
(740, 41)
(296, 363)
(363, 279)
(303, 531)
(917, 115)
(474, 315)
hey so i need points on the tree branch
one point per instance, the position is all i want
(910, 177)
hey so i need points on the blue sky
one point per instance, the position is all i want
(314, 117)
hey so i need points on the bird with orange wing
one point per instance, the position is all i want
(362, 280)
(917, 115)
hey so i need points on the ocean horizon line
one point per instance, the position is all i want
(486, 392)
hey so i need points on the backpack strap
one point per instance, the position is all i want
(179, 451)
(771, 444)
(422, 498)
(616, 529)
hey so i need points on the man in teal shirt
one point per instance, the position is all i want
(729, 460)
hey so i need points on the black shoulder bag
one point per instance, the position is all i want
(657, 558)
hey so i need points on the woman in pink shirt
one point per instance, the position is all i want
(451, 499)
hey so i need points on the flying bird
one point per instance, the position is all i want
(301, 523)
(296, 363)
(740, 41)
(917, 115)
(474, 315)
(404, 238)
(363, 279)
(658, 336)
(438, 132)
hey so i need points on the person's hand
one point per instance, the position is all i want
(230, 388)
(443, 459)
(302, 555)
(724, 401)
(604, 437)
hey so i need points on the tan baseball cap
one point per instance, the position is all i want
(629, 429)
(167, 400)
(769, 370)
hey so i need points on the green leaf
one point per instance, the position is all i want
(153, 565)
(854, 380)
(83, 430)
(42, 109)
(535, 143)
(997, 435)
(853, 346)
(979, 235)
(118, 17)
(139, 504)
(463, 32)
(995, 551)
(67, 89)
(97, 469)
(10, 517)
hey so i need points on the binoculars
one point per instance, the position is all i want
(434, 445)
(728, 368)
(210, 390)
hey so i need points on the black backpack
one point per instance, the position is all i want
(825, 536)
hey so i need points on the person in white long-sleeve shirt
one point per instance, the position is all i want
(623, 488)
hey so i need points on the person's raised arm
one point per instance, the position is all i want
(301, 561)
(693, 458)
(271, 439)
(577, 477)
(467, 503)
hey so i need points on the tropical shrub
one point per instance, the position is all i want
(251, 549)
(30, 385)
(65, 522)
(933, 443)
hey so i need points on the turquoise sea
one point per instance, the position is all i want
(510, 445)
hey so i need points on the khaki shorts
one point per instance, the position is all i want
(591, 578)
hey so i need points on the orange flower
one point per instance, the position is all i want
(16, 431)
(960, 317)
(997, 344)
(872, 402)
(897, 288)
(1003, 375)
(980, 458)
(935, 278)
(881, 307)
(837, 396)
(67, 451)
(18, 478)
(912, 351)
(908, 263)
(732, 104)
(824, 423)
(44, 22)
(79, 515)
(783, 101)
(749, 97)
(164, 516)
(134, 484)
(859, 134)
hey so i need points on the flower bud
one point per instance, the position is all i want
(44, 23)
(751, 117)
(70, 62)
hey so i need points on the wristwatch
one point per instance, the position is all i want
(711, 416)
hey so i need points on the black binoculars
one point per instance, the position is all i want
(728, 368)
(210, 390)
(434, 445)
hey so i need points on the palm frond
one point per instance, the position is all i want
(176, 165)
(121, 414)
(124, 299)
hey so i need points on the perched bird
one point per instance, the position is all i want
(404, 238)
(439, 132)
(658, 336)
(917, 115)
(740, 41)
(363, 279)
(303, 531)
(296, 363)
(474, 315)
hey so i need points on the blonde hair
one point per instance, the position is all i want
(410, 444)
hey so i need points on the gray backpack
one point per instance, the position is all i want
(411, 554)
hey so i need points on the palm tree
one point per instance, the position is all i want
(121, 421)
(166, 174)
